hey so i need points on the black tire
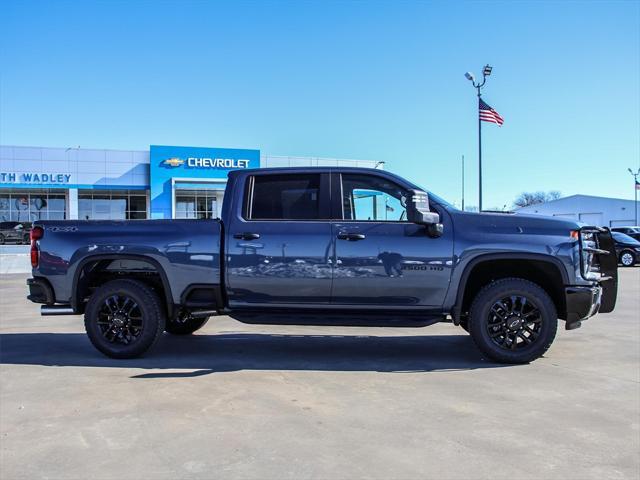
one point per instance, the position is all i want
(184, 324)
(513, 310)
(122, 329)
(627, 258)
(26, 239)
(2, 240)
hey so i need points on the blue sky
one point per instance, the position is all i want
(364, 80)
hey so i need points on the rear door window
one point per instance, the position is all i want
(284, 197)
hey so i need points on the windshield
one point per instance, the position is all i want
(442, 202)
(623, 238)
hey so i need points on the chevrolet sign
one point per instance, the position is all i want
(195, 162)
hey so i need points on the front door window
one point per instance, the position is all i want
(372, 199)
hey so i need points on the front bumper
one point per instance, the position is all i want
(582, 302)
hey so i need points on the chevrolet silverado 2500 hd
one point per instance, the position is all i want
(327, 246)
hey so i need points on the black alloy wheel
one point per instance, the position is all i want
(513, 320)
(124, 318)
(120, 319)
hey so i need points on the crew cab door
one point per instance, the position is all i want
(382, 259)
(278, 240)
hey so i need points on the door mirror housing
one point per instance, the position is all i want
(418, 208)
(418, 212)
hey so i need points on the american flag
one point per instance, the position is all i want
(488, 114)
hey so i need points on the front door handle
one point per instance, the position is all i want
(246, 236)
(352, 237)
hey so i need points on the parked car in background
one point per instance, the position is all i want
(633, 232)
(14, 232)
(627, 248)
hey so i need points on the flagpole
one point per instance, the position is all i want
(479, 152)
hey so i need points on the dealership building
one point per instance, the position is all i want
(43, 183)
(589, 209)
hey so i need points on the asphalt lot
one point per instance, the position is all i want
(240, 401)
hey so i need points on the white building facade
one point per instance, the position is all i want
(45, 183)
(588, 209)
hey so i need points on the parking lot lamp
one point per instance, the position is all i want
(636, 186)
(486, 71)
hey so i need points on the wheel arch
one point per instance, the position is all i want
(546, 271)
(80, 288)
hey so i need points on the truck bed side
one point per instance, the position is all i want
(185, 251)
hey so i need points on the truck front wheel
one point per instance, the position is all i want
(184, 324)
(124, 318)
(513, 320)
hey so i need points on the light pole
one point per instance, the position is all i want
(486, 71)
(463, 183)
(635, 193)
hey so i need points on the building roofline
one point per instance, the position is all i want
(270, 155)
(77, 148)
(574, 196)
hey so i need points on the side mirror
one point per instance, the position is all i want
(418, 212)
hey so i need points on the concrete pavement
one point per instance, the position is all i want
(240, 401)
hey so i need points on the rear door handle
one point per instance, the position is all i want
(351, 237)
(246, 236)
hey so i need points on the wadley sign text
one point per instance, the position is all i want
(35, 178)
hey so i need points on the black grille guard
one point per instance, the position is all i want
(607, 260)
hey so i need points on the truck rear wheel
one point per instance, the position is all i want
(513, 321)
(184, 324)
(124, 318)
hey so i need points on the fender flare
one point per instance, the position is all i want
(488, 257)
(99, 257)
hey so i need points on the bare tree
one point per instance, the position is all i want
(553, 195)
(533, 198)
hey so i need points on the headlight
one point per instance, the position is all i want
(637, 249)
(588, 241)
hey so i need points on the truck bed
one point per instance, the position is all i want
(186, 251)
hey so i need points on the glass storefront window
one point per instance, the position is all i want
(199, 204)
(31, 205)
(112, 205)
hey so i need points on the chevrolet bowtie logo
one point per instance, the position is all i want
(173, 162)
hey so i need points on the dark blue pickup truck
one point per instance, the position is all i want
(327, 246)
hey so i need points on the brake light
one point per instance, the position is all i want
(575, 234)
(36, 234)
